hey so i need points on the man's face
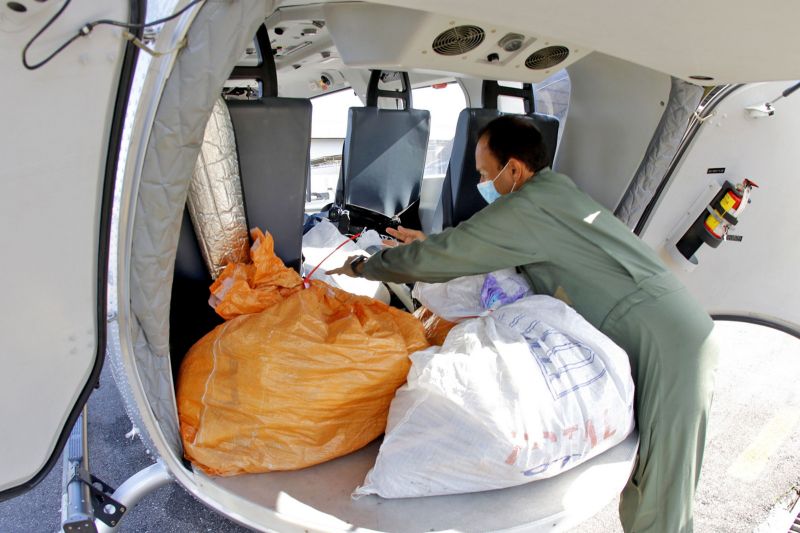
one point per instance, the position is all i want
(490, 168)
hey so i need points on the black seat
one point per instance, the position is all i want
(383, 158)
(272, 138)
(460, 197)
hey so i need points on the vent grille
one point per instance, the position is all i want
(547, 57)
(458, 40)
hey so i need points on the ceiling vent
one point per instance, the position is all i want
(458, 40)
(511, 42)
(547, 57)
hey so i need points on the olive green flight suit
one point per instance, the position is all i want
(570, 247)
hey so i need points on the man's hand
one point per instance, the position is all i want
(346, 268)
(403, 236)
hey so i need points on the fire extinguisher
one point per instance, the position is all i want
(713, 224)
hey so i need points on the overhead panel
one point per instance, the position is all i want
(408, 39)
(305, 56)
(706, 43)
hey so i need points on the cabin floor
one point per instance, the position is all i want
(751, 463)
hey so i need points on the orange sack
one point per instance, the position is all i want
(295, 376)
(436, 327)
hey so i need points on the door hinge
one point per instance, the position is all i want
(106, 509)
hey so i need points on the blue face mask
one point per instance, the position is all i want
(488, 190)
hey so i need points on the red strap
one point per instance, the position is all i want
(308, 277)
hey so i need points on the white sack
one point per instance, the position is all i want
(472, 296)
(522, 394)
(320, 241)
(370, 241)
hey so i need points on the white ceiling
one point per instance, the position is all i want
(729, 41)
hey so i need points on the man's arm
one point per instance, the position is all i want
(499, 236)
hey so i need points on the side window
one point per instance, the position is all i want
(510, 104)
(444, 101)
(328, 130)
(550, 96)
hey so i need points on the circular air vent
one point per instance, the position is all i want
(458, 40)
(547, 57)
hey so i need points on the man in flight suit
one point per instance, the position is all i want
(570, 247)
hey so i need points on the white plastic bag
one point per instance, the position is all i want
(472, 296)
(370, 241)
(522, 394)
(323, 239)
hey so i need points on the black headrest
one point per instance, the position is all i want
(373, 93)
(492, 91)
(266, 72)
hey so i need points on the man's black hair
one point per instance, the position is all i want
(511, 136)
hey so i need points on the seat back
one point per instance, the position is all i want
(383, 158)
(273, 136)
(190, 316)
(460, 197)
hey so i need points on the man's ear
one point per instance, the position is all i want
(521, 168)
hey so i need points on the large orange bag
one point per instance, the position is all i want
(436, 327)
(295, 377)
